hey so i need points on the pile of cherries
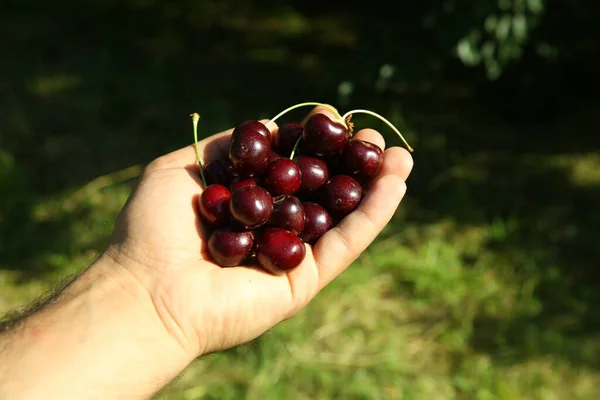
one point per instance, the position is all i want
(277, 192)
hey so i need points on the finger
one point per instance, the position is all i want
(345, 242)
(322, 110)
(371, 136)
(397, 159)
(215, 147)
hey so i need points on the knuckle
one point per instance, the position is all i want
(161, 162)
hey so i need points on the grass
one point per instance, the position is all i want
(484, 286)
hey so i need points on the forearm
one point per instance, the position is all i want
(101, 339)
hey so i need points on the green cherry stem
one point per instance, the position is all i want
(195, 119)
(349, 113)
(295, 146)
(309, 103)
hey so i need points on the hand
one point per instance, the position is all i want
(160, 239)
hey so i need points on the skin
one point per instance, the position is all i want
(153, 301)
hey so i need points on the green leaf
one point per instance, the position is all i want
(490, 24)
(519, 26)
(503, 27)
(519, 6)
(509, 51)
(467, 52)
(535, 6)
(488, 49)
(493, 70)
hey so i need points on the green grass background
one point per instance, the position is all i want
(484, 285)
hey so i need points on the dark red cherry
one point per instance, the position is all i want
(251, 126)
(230, 247)
(324, 137)
(274, 156)
(318, 221)
(282, 176)
(249, 153)
(278, 250)
(362, 159)
(213, 204)
(341, 195)
(288, 214)
(230, 171)
(314, 173)
(286, 138)
(251, 206)
(241, 181)
(229, 168)
(216, 172)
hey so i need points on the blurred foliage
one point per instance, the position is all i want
(485, 284)
(503, 36)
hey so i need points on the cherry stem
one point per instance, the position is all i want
(309, 103)
(381, 118)
(195, 119)
(294, 148)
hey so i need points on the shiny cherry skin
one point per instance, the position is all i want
(282, 176)
(288, 214)
(314, 173)
(213, 204)
(287, 136)
(318, 221)
(230, 247)
(251, 206)
(229, 168)
(278, 251)
(362, 159)
(241, 181)
(249, 153)
(341, 195)
(324, 137)
(216, 172)
(251, 126)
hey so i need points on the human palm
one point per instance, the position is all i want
(207, 307)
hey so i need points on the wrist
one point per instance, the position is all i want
(101, 337)
(154, 285)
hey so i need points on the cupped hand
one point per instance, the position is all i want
(160, 239)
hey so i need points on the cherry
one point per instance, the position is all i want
(216, 172)
(251, 126)
(288, 214)
(282, 176)
(241, 181)
(249, 153)
(324, 137)
(362, 159)
(286, 137)
(213, 204)
(230, 247)
(319, 127)
(274, 156)
(251, 206)
(314, 173)
(255, 188)
(341, 195)
(318, 221)
(278, 250)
